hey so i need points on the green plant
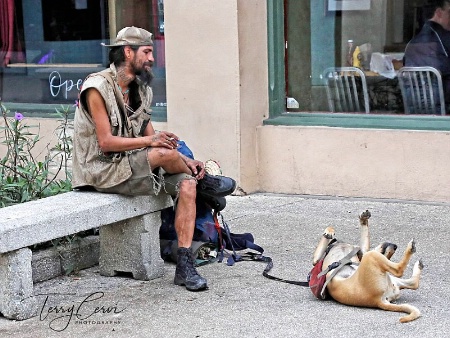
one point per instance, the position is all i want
(24, 175)
(64, 145)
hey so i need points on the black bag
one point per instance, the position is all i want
(210, 240)
(205, 241)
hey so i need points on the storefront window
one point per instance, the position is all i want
(369, 35)
(48, 47)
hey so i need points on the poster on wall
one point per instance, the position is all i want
(348, 5)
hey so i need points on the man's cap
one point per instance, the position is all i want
(132, 36)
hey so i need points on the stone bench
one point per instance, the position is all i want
(129, 239)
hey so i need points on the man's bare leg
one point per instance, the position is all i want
(185, 273)
(172, 162)
(169, 160)
(185, 213)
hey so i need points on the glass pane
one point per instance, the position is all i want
(51, 47)
(150, 16)
(368, 35)
(48, 47)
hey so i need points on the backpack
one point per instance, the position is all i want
(316, 281)
(211, 239)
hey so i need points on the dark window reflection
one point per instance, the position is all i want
(68, 20)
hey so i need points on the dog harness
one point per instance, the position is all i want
(317, 280)
(335, 266)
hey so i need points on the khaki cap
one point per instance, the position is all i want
(132, 36)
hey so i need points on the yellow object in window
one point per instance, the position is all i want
(357, 57)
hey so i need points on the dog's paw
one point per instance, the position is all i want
(365, 215)
(419, 264)
(412, 246)
(364, 218)
(328, 233)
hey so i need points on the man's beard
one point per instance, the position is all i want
(144, 76)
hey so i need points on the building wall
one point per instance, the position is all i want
(217, 100)
(253, 70)
(399, 164)
(216, 75)
(44, 127)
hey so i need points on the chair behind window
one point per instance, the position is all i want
(346, 89)
(422, 90)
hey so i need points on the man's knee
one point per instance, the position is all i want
(163, 155)
(188, 188)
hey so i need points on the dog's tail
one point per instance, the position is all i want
(412, 311)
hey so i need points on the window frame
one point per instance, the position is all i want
(278, 114)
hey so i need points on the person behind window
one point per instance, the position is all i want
(431, 46)
(116, 149)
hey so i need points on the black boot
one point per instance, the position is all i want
(186, 274)
(216, 186)
(215, 203)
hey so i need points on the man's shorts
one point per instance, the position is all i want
(144, 180)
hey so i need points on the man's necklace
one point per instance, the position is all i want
(122, 91)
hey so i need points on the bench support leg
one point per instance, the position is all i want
(132, 246)
(16, 285)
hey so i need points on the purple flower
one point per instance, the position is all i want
(18, 116)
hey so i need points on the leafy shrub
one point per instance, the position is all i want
(24, 177)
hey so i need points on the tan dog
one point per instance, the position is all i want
(371, 280)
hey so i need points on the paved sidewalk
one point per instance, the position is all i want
(242, 303)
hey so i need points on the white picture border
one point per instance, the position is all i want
(348, 5)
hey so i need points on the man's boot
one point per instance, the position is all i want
(215, 186)
(215, 203)
(186, 274)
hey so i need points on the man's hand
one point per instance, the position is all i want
(164, 139)
(197, 167)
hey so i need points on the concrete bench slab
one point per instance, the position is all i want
(34, 222)
(129, 238)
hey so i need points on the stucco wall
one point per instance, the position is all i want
(217, 80)
(45, 128)
(253, 70)
(202, 72)
(399, 164)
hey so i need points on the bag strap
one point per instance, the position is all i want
(234, 257)
(219, 231)
(336, 266)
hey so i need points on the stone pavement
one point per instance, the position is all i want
(240, 302)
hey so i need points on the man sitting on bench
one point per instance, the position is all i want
(116, 149)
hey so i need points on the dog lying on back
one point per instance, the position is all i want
(370, 279)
